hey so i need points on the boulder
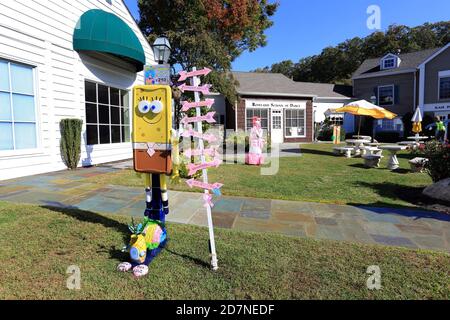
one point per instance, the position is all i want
(439, 191)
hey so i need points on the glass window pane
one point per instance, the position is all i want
(6, 137)
(103, 114)
(103, 95)
(444, 90)
(4, 76)
(115, 98)
(21, 79)
(90, 91)
(124, 98)
(125, 116)
(104, 134)
(115, 115)
(25, 135)
(91, 134)
(23, 108)
(91, 113)
(5, 108)
(115, 134)
(125, 133)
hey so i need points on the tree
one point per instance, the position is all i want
(208, 33)
(337, 64)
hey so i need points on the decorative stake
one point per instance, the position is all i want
(204, 185)
(203, 89)
(193, 168)
(209, 117)
(191, 133)
(184, 75)
(212, 152)
(189, 105)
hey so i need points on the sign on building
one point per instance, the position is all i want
(158, 74)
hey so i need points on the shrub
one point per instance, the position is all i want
(71, 141)
(326, 133)
(183, 170)
(438, 155)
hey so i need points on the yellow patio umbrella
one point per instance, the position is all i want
(417, 122)
(365, 108)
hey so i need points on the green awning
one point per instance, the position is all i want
(101, 31)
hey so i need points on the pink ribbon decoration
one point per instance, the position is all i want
(192, 133)
(207, 198)
(184, 75)
(189, 105)
(212, 152)
(203, 89)
(199, 184)
(209, 117)
(151, 149)
(193, 168)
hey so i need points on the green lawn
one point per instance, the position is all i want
(38, 244)
(317, 176)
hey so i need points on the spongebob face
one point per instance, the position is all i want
(138, 249)
(152, 124)
(152, 114)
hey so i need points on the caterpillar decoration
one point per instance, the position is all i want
(147, 240)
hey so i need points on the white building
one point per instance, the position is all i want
(66, 59)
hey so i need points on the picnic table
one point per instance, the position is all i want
(418, 139)
(362, 137)
(410, 144)
(358, 145)
(393, 163)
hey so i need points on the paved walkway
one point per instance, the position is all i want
(387, 226)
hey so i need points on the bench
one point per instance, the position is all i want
(373, 151)
(418, 164)
(344, 150)
(410, 144)
(372, 160)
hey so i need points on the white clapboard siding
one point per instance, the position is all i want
(39, 33)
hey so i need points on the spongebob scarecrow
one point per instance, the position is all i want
(153, 149)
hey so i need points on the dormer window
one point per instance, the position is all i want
(390, 62)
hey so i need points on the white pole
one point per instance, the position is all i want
(212, 244)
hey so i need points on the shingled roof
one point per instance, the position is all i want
(277, 84)
(371, 67)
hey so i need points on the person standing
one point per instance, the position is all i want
(440, 130)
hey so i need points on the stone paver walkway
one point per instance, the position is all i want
(386, 226)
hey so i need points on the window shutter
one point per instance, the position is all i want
(375, 93)
(396, 94)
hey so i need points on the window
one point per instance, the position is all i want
(390, 125)
(18, 128)
(389, 63)
(444, 88)
(294, 122)
(386, 95)
(262, 113)
(107, 114)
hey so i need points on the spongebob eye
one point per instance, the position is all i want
(144, 106)
(156, 106)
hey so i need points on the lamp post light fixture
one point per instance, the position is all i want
(161, 50)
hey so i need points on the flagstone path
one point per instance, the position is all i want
(387, 226)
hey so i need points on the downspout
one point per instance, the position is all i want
(235, 115)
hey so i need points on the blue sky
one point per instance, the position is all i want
(303, 28)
